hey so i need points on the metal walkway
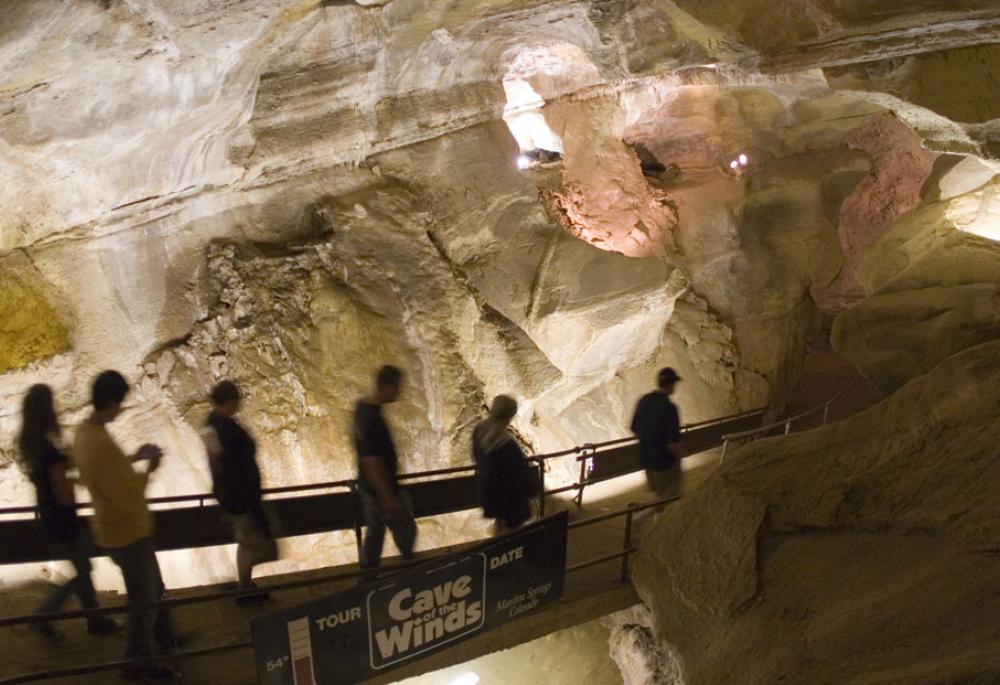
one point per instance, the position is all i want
(221, 629)
(192, 521)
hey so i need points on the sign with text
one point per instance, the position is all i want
(353, 635)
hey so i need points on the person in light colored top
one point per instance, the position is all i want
(46, 464)
(122, 524)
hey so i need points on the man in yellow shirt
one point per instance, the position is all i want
(122, 524)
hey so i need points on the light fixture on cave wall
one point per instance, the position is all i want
(739, 164)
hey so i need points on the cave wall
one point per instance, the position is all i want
(858, 552)
(289, 193)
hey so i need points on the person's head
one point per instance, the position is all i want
(504, 409)
(38, 421)
(388, 381)
(226, 398)
(107, 394)
(666, 379)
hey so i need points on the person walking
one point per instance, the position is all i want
(232, 457)
(656, 423)
(122, 524)
(501, 471)
(383, 502)
(65, 538)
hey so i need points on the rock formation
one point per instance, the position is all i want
(849, 553)
(289, 192)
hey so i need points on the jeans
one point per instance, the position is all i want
(78, 553)
(144, 586)
(404, 531)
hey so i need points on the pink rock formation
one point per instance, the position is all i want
(892, 188)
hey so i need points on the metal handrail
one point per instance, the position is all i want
(351, 483)
(628, 511)
(592, 447)
(787, 423)
(627, 550)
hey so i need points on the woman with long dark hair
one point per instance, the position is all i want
(46, 465)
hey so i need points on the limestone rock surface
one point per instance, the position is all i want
(851, 553)
(291, 192)
(932, 282)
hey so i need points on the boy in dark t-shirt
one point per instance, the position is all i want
(232, 456)
(656, 423)
(383, 502)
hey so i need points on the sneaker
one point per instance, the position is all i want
(175, 642)
(258, 597)
(49, 632)
(149, 673)
(103, 625)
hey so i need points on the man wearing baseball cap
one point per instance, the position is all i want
(656, 423)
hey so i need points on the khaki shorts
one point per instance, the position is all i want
(665, 483)
(252, 538)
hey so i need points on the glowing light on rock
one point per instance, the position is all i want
(525, 121)
(977, 213)
(523, 162)
(743, 159)
(734, 165)
(466, 679)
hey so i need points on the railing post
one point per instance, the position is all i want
(725, 448)
(582, 482)
(826, 413)
(357, 516)
(627, 543)
(541, 489)
(788, 427)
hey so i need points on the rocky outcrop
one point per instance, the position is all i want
(31, 327)
(891, 189)
(932, 283)
(859, 552)
(635, 650)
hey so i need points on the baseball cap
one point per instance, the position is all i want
(667, 375)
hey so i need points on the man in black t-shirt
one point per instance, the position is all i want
(656, 423)
(232, 456)
(383, 502)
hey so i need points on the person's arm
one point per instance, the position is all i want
(675, 445)
(636, 418)
(378, 478)
(109, 473)
(61, 486)
(369, 464)
(213, 447)
(150, 453)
